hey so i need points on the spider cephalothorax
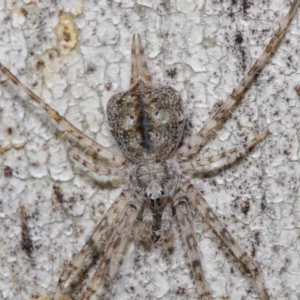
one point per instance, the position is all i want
(155, 182)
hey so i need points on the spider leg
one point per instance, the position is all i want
(102, 231)
(188, 236)
(139, 68)
(202, 165)
(122, 228)
(111, 158)
(143, 233)
(106, 171)
(198, 140)
(211, 218)
(167, 234)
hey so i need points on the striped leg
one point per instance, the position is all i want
(211, 218)
(139, 68)
(198, 140)
(122, 228)
(203, 165)
(143, 232)
(111, 158)
(103, 229)
(106, 171)
(189, 241)
(167, 234)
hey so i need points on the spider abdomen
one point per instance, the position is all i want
(147, 122)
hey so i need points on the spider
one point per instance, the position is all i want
(148, 124)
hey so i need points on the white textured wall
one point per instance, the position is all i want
(198, 40)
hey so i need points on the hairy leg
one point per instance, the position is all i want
(198, 140)
(122, 228)
(212, 219)
(189, 241)
(111, 158)
(167, 234)
(102, 231)
(106, 171)
(143, 231)
(139, 68)
(203, 165)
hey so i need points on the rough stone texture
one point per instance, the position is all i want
(202, 49)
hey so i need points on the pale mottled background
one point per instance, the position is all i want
(202, 48)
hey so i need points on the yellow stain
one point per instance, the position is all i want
(66, 32)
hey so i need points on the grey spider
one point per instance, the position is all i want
(148, 124)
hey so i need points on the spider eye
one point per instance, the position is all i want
(162, 192)
(148, 195)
